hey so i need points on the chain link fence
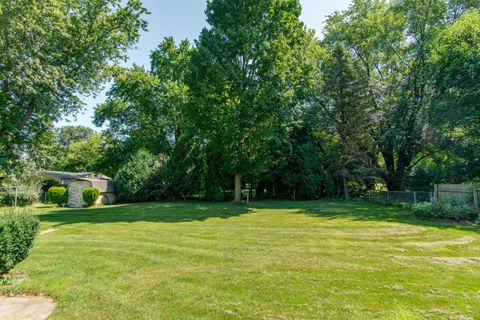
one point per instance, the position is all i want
(13, 196)
(400, 197)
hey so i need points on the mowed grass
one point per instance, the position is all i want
(270, 260)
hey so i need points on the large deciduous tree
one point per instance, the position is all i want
(145, 109)
(248, 72)
(393, 42)
(457, 65)
(456, 57)
(52, 52)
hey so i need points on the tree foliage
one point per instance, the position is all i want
(51, 53)
(390, 94)
(248, 73)
(393, 42)
(145, 108)
(347, 116)
(132, 180)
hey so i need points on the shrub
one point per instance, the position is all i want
(25, 196)
(445, 210)
(90, 196)
(58, 195)
(18, 229)
(132, 179)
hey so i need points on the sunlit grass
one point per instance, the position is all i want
(272, 260)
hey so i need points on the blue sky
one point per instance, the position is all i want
(185, 19)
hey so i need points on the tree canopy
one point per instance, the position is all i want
(389, 96)
(52, 52)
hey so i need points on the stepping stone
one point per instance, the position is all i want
(25, 308)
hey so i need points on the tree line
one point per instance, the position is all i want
(388, 95)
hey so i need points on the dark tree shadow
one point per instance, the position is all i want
(178, 212)
(171, 212)
(366, 211)
(361, 211)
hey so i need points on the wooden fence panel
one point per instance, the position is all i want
(459, 193)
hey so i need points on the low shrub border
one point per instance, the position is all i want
(18, 229)
(90, 196)
(446, 210)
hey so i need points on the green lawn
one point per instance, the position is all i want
(272, 260)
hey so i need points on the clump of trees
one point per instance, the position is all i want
(389, 95)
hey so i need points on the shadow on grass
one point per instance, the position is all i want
(361, 211)
(381, 213)
(176, 212)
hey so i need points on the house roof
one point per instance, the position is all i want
(103, 185)
(73, 175)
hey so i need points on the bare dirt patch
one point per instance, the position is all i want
(25, 308)
(49, 230)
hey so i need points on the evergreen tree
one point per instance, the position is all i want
(344, 105)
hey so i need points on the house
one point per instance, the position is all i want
(76, 182)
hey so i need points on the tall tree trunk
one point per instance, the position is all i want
(238, 188)
(345, 187)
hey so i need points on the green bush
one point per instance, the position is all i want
(133, 178)
(58, 195)
(18, 229)
(445, 210)
(90, 196)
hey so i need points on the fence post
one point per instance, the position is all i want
(415, 197)
(435, 193)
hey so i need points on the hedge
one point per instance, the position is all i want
(90, 196)
(445, 210)
(18, 229)
(58, 195)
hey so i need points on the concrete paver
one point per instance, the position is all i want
(25, 308)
